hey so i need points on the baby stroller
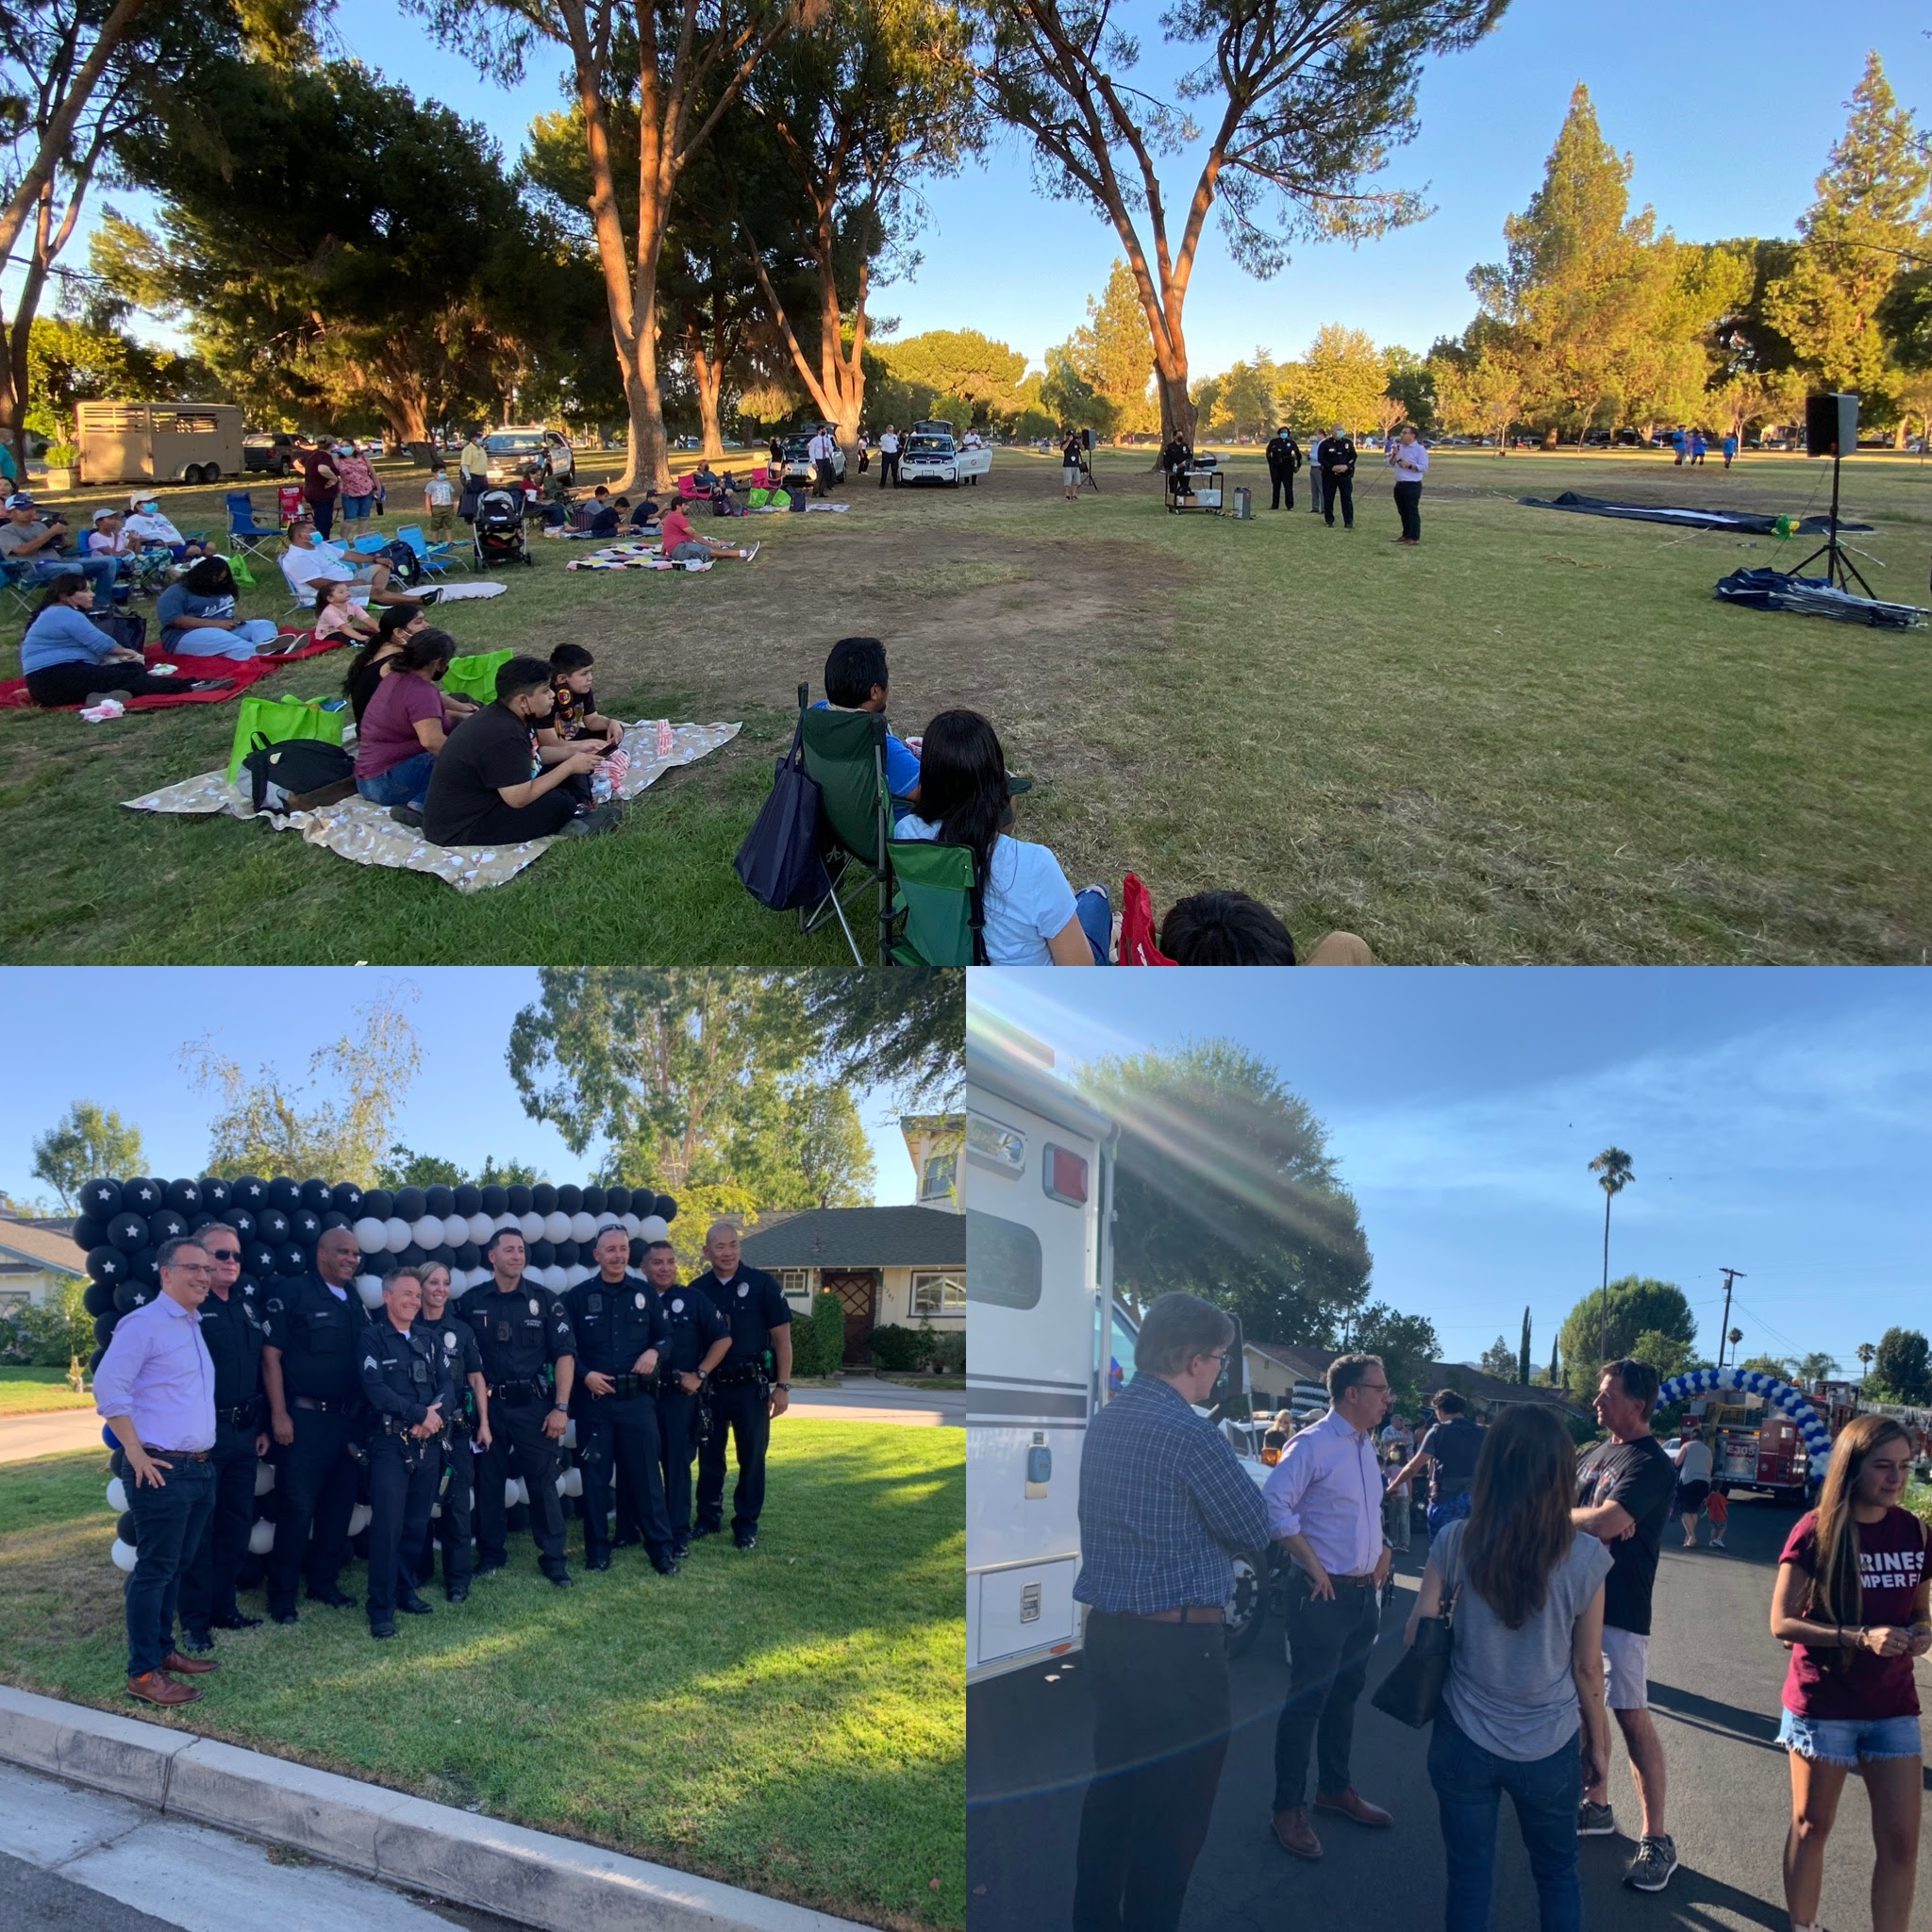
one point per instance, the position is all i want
(499, 530)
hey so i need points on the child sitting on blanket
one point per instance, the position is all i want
(338, 619)
(575, 713)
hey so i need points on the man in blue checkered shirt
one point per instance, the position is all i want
(1164, 1507)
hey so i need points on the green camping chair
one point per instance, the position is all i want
(845, 758)
(933, 903)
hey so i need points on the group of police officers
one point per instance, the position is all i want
(436, 1393)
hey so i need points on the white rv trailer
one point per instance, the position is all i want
(1039, 1288)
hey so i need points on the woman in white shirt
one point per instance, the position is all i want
(1695, 1466)
(1027, 912)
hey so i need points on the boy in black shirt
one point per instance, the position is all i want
(1625, 1488)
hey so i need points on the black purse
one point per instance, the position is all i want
(1412, 1691)
(779, 863)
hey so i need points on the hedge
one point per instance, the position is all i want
(916, 1351)
(818, 1342)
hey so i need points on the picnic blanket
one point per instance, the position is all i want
(240, 671)
(1752, 521)
(455, 594)
(358, 830)
(634, 555)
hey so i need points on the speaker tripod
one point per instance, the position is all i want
(1839, 570)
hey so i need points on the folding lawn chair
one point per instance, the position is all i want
(17, 592)
(246, 538)
(371, 546)
(434, 557)
(932, 903)
(845, 758)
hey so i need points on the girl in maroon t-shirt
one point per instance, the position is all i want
(1854, 1601)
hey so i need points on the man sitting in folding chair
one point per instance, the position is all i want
(844, 754)
(307, 563)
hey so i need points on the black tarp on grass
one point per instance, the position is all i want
(1772, 590)
(1751, 523)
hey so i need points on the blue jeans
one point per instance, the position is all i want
(1470, 1783)
(1096, 914)
(99, 570)
(239, 640)
(356, 510)
(405, 784)
(1455, 1509)
(169, 1523)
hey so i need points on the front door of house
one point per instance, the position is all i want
(857, 1290)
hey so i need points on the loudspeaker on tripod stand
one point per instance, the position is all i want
(1831, 426)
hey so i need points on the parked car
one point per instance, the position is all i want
(798, 460)
(514, 450)
(272, 453)
(932, 457)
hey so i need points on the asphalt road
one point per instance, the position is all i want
(1715, 1678)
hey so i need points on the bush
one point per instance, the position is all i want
(818, 1342)
(49, 1335)
(61, 456)
(918, 1351)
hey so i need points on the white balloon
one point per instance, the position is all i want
(122, 1555)
(653, 1228)
(372, 1235)
(583, 1227)
(571, 1483)
(261, 1539)
(369, 1288)
(265, 1477)
(506, 1221)
(396, 1234)
(630, 1223)
(481, 1227)
(532, 1226)
(358, 1519)
(117, 1493)
(428, 1232)
(605, 1219)
(557, 1226)
(569, 1433)
(580, 1272)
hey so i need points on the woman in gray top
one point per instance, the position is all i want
(1525, 1672)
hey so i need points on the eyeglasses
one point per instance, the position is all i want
(225, 1254)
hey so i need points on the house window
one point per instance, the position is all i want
(937, 1292)
(938, 1177)
(796, 1282)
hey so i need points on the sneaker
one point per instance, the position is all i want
(591, 824)
(1651, 1868)
(751, 552)
(1595, 1821)
(409, 815)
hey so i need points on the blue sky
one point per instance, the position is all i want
(121, 1031)
(1776, 1123)
(1729, 115)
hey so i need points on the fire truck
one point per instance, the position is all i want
(1755, 1447)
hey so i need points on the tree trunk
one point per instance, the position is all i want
(1178, 415)
(708, 376)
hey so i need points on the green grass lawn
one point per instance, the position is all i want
(1536, 739)
(792, 1720)
(36, 1391)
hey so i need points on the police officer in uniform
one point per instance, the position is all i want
(620, 1330)
(409, 1390)
(231, 1329)
(752, 1385)
(523, 1334)
(1335, 456)
(466, 1420)
(696, 1342)
(1284, 456)
(311, 1348)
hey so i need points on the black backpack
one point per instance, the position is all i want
(288, 776)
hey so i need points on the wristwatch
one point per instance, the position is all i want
(703, 1375)
(786, 1386)
(560, 1408)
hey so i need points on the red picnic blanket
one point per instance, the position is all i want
(240, 671)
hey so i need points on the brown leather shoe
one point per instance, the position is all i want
(1351, 1804)
(156, 1686)
(1293, 1833)
(189, 1666)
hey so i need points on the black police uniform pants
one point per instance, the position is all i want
(677, 1422)
(1160, 1728)
(1283, 480)
(315, 1480)
(402, 1492)
(1341, 489)
(619, 1432)
(207, 1584)
(744, 1414)
(1409, 506)
(1329, 1647)
(520, 1426)
(888, 468)
(454, 1527)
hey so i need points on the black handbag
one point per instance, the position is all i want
(780, 861)
(1412, 1691)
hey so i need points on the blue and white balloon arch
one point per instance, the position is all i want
(1780, 1394)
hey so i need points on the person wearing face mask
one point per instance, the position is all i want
(494, 785)
(232, 1331)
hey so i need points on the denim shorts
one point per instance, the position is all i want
(1849, 1740)
(357, 508)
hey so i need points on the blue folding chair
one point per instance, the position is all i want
(434, 557)
(371, 546)
(245, 536)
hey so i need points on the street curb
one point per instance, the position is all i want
(532, 1878)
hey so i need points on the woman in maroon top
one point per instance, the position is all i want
(1853, 1601)
(407, 724)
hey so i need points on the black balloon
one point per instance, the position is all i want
(468, 1256)
(258, 1260)
(166, 1226)
(93, 1362)
(89, 1232)
(131, 1294)
(570, 1199)
(637, 1251)
(440, 1201)
(305, 1225)
(469, 1199)
(128, 1232)
(542, 1254)
(594, 1201)
(411, 1257)
(291, 1258)
(442, 1257)
(569, 1255)
(664, 1207)
(284, 1194)
(215, 1192)
(410, 1205)
(104, 1327)
(98, 1298)
(335, 1218)
(140, 1195)
(617, 1200)
(495, 1199)
(106, 1263)
(240, 1221)
(345, 1197)
(315, 1197)
(100, 1200)
(124, 1527)
(518, 1200)
(246, 1284)
(378, 1203)
(144, 1271)
(271, 1225)
(543, 1199)
(249, 1191)
(200, 1219)
(184, 1197)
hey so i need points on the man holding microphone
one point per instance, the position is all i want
(1410, 462)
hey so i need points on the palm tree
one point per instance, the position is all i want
(1818, 1368)
(1865, 1353)
(1614, 1174)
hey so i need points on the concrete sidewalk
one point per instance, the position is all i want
(173, 1782)
(862, 1400)
(23, 1437)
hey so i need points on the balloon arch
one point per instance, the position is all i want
(1780, 1394)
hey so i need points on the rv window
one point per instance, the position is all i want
(995, 1144)
(1003, 1261)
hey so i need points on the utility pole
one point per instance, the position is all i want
(1730, 1275)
